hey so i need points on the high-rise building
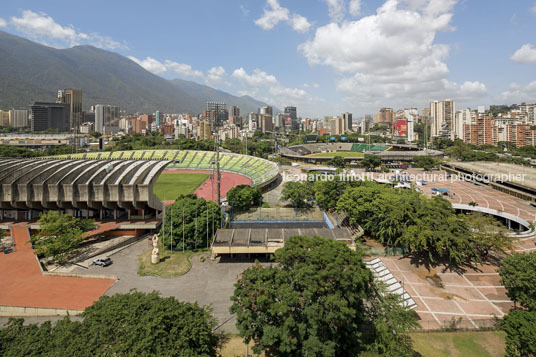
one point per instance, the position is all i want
(266, 122)
(72, 97)
(19, 118)
(106, 116)
(442, 117)
(158, 118)
(217, 112)
(348, 123)
(461, 118)
(5, 117)
(292, 113)
(385, 117)
(50, 116)
(204, 130)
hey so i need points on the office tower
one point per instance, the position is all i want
(217, 112)
(5, 117)
(266, 122)
(204, 130)
(442, 117)
(19, 118)
(106, 116)
(72, 97)
(347, 117)
(461, 119)
(293, 115)
(157, 118)
(50, 116)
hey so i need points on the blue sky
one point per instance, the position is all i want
(323, 56)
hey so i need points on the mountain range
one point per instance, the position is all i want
(33, 72)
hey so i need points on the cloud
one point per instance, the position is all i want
(150, 64)
(517, 93)
(216, 74)
(182, 69)
(336, 9)
(533, 9)
(43, 28)
(391, 56)
(3, 22)
(354, 7)
(526, 54)
(213, 76)
(275, 13)
(266, 87)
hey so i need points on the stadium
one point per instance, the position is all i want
(116, 184)
(320, 153)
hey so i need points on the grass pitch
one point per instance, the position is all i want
(169, 186)
(333, 154)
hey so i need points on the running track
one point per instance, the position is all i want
(207, 190)
(23, 284)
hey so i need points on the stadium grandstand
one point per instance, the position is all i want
(108, 184)
(319, 153)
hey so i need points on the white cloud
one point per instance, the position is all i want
(43, 28)
(336, 9)
(526, 54)
(275, 13)
(150, 64)
(182, 69)
(517, 93)
(300, 23)
(266, 87)
(216, 74)
(354, 7)
(3, 22)
(168, 66)
(391, 56)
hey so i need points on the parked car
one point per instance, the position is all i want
(103, 262)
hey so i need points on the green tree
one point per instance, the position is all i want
(135, 323)
(370, 161)
(59, 235)
(488, 234)
(520, 328)
(518, 274)
(337, 161)
(426, 162)
(242, 197)
(317, 301)
(200, 217)
(95, 134)
(297, 193)
(307, 305)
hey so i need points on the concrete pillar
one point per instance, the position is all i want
(115, 214)
(128, 214)
(143, 213)
(509, 222)
(100, 214)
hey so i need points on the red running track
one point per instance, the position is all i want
(207, 190)
(23, 284)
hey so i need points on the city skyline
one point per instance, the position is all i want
(324, 57)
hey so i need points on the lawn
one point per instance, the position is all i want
(169, 186)
(343, 154)
(463, 343)
(171, 264)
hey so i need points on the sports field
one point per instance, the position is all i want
(343, 154)
(169, 186)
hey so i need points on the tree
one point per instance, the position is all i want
(297, 193)
(242, 197)
(59, 235)
(520, 328)
(95, 134)
(307, 305)
(426, 162)
(488, 234)
(315, 302)
(124, 324)
(337, 161)
(200, 217)
(518, 274)
(370, 162)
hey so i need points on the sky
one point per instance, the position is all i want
(323, 56)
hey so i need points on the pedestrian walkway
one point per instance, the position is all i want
(23, 284)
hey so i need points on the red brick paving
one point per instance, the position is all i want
(207, 190)
(23, 284)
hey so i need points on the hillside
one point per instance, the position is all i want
(32, 72)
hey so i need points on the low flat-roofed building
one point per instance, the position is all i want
(268, 240)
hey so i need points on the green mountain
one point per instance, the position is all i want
(32, 72)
